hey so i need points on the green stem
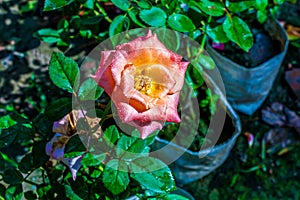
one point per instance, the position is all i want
(108, 106)
(102, 11)
(204, 38)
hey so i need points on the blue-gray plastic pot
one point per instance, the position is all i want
(191, 166)
(247, 88)
(178, 191)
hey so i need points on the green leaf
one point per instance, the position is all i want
(85, 33)
(115, 177)
(71, 194)
(63, 71)
(7, 137)
(4, 157)
(279, 1)
(63, 24)
(48, 35)
(74, 147)
(215, 9)
(89, 90)
(39, 154)
(12, 176)
(160, 181)
(129, 148)
(117, 25)
(111, 135)
(14, 192)
(145, 4)
(6, 121)
(43, 190)
(29, 6)
(89, 20)
(57, 109)
(30, 195)
(170, 197)
(25, 132)
(2, 163)
(239, 6)
(55, 4)
(181, 23)
(154, 17)
(90, 159)
(122, 4)
(132, 14)
(75, 21)
(262, 16)
(238, 31)
(261, 4)
(62, 43)
(26, 164)
(89, 4)
(217, 34)
(96, 173)
(206, 61)
(2, 191)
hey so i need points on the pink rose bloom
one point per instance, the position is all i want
(143, 79)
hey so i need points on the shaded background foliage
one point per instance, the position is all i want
(26, 89)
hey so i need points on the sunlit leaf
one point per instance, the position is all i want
(239, 32)
(55, 4)
(154, 17)
(122, 4)
(115, 178)
(144, 170)
(181, 23)
(63, 71)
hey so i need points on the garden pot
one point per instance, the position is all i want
(193, 165)
(178, 191)
(247, 88)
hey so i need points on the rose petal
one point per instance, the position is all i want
(148, 128)
(172, 114)
(148, 41)
(103, 75)
(106, 59)
(118, 64)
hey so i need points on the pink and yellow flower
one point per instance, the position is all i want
(143, 79)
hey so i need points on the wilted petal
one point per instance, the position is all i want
(61, 126)
(74, 165)
(56, 146)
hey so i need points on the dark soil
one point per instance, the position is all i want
(264, 48)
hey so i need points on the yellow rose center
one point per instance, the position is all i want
(152, 80)
(143, 84)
